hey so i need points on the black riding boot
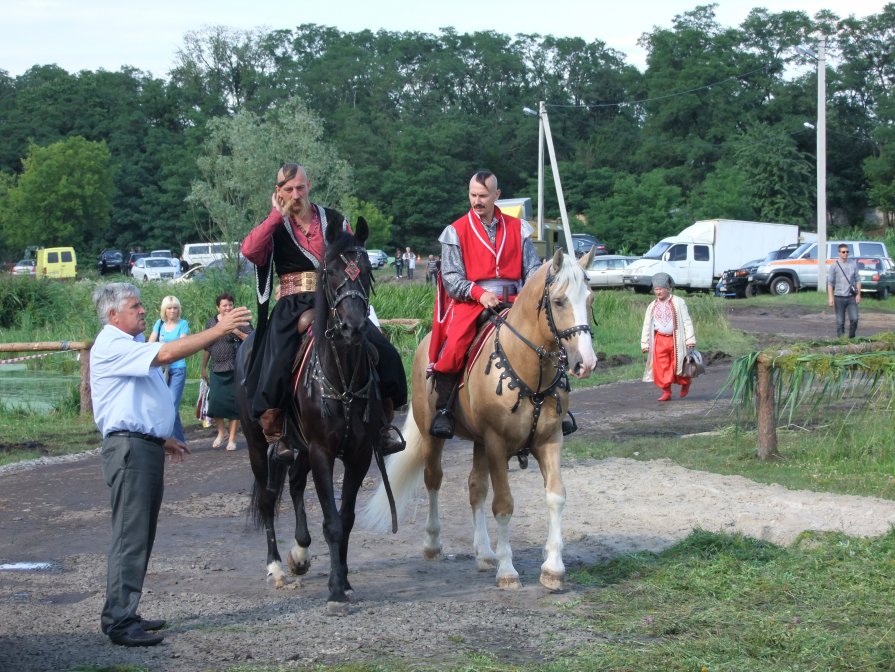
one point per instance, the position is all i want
(442, 426)
(388, 444)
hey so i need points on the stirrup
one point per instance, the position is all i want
(445, 419)
(389, 446)
(279, 452)
(569, 425)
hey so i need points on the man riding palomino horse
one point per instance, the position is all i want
(291, 240)
(486, 255)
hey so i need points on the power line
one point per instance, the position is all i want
(665, 97)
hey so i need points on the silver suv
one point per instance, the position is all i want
(799, 270)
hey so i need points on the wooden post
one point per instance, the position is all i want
(84, 387)
(765, 412)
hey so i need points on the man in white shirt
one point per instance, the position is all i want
(134, 411)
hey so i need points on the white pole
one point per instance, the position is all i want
(562, 201)
(821, 165)
(541, 174)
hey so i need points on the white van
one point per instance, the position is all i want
(196, 254)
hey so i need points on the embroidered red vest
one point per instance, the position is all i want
(478, 254)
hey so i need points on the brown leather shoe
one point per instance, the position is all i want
(271, 422)
(389, 444)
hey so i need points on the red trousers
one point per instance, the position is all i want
(663, 362)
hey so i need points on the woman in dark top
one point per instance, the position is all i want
(222, 388)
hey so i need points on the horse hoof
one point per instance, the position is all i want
(279, 582)
(336, 608)
(298, 568)
(508, 582)
(485, 564)
(552, 580)
(432, 554)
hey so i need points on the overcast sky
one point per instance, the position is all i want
(93, 34)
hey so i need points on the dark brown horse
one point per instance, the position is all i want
(337, 414)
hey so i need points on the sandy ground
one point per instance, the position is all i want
(207, 572)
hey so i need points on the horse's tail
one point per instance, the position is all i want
(405, 475)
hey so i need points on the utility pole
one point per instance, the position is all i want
(821, 165)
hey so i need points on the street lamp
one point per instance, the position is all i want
(544, 132)
(821, 158)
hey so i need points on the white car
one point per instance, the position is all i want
(607, 270)
(160, 269)
(378, 258)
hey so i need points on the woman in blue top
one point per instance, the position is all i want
(168, 328)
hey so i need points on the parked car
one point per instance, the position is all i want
(582, 243)
(738, 282)
(877, 276)
(378, 258)
(200, 272)
(132, 259)
(24, 267)
(606, 270)
(161, 253)
(148, 269)
(799, 270)
(110, 261)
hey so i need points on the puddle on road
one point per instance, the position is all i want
(31, 567)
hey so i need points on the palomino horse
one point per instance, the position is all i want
(514, 397)
(337, 413)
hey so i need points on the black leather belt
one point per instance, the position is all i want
(138, 435)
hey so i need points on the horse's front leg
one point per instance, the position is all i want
(322, 466)
(433, 474)
(299, 559)
(357, 464)
(502, 508)
(553, 571)
(485, 559)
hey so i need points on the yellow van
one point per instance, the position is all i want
(56, 262)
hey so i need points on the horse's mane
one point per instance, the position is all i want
(569, 274)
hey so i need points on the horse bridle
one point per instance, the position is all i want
(335, 296)
(562, 357)
(350, 388)
(560, 381)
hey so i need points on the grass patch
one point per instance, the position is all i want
(843, 453)
(719, 602)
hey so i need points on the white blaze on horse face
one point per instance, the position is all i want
(582, 358)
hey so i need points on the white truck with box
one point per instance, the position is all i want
(699, 254)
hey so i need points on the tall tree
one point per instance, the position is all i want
(240, 159)
(63, 196)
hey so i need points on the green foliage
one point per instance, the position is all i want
(25, 301)
(63, 196)
(380, 224)
(240, 160)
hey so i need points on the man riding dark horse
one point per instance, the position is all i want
(291, 242)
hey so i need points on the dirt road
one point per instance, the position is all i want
(207, 572)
